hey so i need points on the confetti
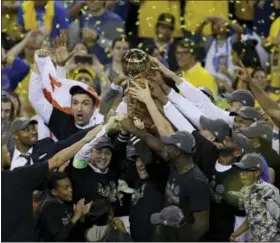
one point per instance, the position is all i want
(119, 29)
(140, 44)
(7, 16)
(57, 26)
(98, 22)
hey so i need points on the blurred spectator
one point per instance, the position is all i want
(47, 16)
(7, 107)
(273, 41)
(191, 69)
(261, 79)
(219, 45)
(246, 53)
(99, 28)
(10, 32)
(196, 11)
(149, 13)
(164, 40)
(119, 7)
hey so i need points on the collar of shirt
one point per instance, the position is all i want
(98, 170)
(196, 66)
(17, 160)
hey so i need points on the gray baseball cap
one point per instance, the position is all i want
(183, 140)
(250, 162)
(21, 123)
(261, 129)
(218, 127)
(103, 142)
(243, 142)
(171, 216)
(207, 92)
(245, 97)
(247, 112)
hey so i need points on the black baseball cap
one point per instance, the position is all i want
(218, 127)
(21, 123)
(243, 142)
(250, 162)
(171, 216)
(183, 140)
(259, 129)
(247, 112)
(245, 97)
(167, 19)
(90, 91)
(103, 142)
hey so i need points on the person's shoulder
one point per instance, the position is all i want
(59, 7)
(112, 16)
(197, 175)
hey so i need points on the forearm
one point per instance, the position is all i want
(85, 152)
(66, 154)
(154, 143)
(191, 112)
(236, 27)
(243, 228)
(37, 99)
(17, 49)
(163, 126)
(61, 71)
(177, 119)
(268, 105)
(199, 29)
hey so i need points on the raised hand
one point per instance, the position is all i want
(89, 35)
(128, 125)
(60, 48)
(42, 53)
(242, 73)
(158, 66)
(143, 95)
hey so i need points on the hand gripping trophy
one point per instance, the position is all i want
(136, 64)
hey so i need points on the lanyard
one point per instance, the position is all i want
(217, 58)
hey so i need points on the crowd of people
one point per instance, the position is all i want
(136, 120)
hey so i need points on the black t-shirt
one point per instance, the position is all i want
(224, 207)
(189, 191)
(17, 213)
(206, 154)
(55, 222)
(145, 201)
(91, 185)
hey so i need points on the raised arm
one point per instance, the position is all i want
(144, 95)
(66, 154)
(154, 143)
(36, 96)
(267, 104)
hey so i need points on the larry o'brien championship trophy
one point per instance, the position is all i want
(136, 63)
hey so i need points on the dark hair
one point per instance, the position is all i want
(99, 212)
(80, 90)
(53, 178)
(258, 69)
(149, 49)
(5, 98)
(81, 43)
(124, 39)
(247, 49)
(191, 46)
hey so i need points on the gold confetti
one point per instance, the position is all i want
(140, 44)
(267, 64)
(230, 15)
(7, 16)
(130, 33)
(243, 9)
(57, 26)
(98, 22)
(154, 7)
(86, 7)
(137, 23)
